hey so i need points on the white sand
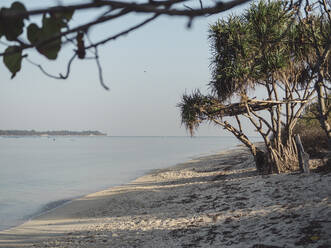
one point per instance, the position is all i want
(214, 201)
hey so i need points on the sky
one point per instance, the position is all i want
(147, 71)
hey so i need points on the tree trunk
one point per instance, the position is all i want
(276, 161)
(262, 162)
(323, 112)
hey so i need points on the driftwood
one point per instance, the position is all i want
(303, 157)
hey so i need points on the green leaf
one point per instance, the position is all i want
(68, 15)
(12, 31)
(51, 50)
(51, 27)
(33, 33)
(13, 27)
(65, 16)
(2, 29)
(18, 6)
(13, 59)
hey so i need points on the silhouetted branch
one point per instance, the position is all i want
(201, 5)
(124, 7)
(114, 37)
(61, 76)
(109, 10)
(149, 7)
(74, 30)
(100, 69)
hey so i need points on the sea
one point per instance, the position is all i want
(41, 173)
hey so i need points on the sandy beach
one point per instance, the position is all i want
(213, 201)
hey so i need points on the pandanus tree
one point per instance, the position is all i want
(264, 49)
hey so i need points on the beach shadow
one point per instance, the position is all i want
(264, 229)
(25, 240)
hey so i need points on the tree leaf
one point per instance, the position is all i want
(13, 30)
(65, 16)
(51, 27)
(13, 27)
(50, 50)
(2, 29)
(33, 33)
(68, 15)
(13, 60)
(18, 6)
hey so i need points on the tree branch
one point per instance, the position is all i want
(114, 37)
(61, 76)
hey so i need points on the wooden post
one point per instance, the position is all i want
(303, 157)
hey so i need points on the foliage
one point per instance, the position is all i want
(13, 59)
(247, 48)
(12, 28)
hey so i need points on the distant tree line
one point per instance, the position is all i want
(50, 133)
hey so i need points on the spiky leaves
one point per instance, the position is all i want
(190, 110)
(230, 50)
(249, 48)
(195, 108)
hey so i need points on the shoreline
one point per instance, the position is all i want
(211, 201)
(44, 208)
(23, 197)
(53, 205)
(50, 206)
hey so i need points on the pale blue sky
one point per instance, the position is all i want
(139, 103)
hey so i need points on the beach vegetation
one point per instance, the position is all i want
(267, 65)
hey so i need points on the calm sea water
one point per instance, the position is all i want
(40, 173)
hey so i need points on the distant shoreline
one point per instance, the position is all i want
(50, 133)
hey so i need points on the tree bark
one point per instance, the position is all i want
(323, 112)
(303, 157)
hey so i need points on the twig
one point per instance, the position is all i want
(61, 76)
(99, 69)
(123, 33)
